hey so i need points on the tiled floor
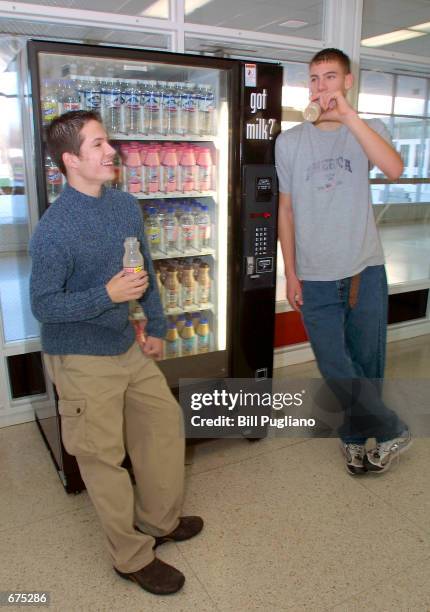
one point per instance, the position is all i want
(286, 527)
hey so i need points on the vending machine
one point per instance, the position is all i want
(195, 142)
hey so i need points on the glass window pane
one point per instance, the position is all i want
(410, 95)
(131, 93)
(376, 90)
(84, 34)
(408, 135)
(18, 322)
(235, 50)
(295, 92)
(387, 16)
(426, 154)
(302, 18)
(375, 172)
(146, 8)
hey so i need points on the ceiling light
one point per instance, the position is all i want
(390, 38)
(158, 9)
(421, 27)
(294, 23)
(193, 5)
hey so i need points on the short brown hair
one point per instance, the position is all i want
(331, 55)
(63, 134)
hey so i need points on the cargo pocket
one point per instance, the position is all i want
(74, 427)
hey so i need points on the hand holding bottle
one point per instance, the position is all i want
(334, 106)
(124, 287)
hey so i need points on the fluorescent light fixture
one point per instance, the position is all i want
(390, 38)
(193, 5)
(294, 23)
(158, 9)
(421, 27)
(222, 145)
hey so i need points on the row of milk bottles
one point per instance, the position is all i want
(184, 284)
(184, 228)
(187, 335)
(134, 107)
(166, 168)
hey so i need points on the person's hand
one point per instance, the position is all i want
(334, 106)
(153, 347)
(294, 292)
(124, 287)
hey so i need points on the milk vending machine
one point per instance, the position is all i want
(195, 139)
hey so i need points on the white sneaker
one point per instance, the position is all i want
(379, 459)
(354, 456)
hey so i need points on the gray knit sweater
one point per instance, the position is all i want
(76, 249)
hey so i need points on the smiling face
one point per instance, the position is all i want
(94, 164)
(328, 76)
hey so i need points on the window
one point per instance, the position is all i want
(18, 322)
(401, 102)
(402, 207)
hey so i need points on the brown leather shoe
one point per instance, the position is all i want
(157, 577)
(189, 526)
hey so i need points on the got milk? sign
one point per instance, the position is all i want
(259, 127)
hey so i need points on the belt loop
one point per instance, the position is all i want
(353, 290)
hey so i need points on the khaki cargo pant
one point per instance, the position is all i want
(110, 405)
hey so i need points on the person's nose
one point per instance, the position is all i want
(110, 150)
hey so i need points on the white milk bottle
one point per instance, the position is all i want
(133, 264)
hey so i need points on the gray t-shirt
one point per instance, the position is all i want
(326, 173)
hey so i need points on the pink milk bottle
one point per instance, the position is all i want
(133, 171)
(188, 170)
(123, 152)
(143, 148)
(152, 170)
(204, 163)
(170, 170)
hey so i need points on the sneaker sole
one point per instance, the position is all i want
(355, 471)
(375, 469)
(351, 469)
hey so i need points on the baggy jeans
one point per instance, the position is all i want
(110, 405)
(348, 336)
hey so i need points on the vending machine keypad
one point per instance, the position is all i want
(261, 238)
(259, 225)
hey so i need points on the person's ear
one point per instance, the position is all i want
(70, 160)
(349, 81)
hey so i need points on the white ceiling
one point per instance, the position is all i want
(379, 17)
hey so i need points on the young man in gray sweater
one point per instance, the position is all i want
(334, 264)
(113, 398)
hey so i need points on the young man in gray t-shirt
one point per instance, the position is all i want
(333, 256)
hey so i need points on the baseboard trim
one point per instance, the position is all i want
(291, 355)
(23, 414)
(411, 329)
